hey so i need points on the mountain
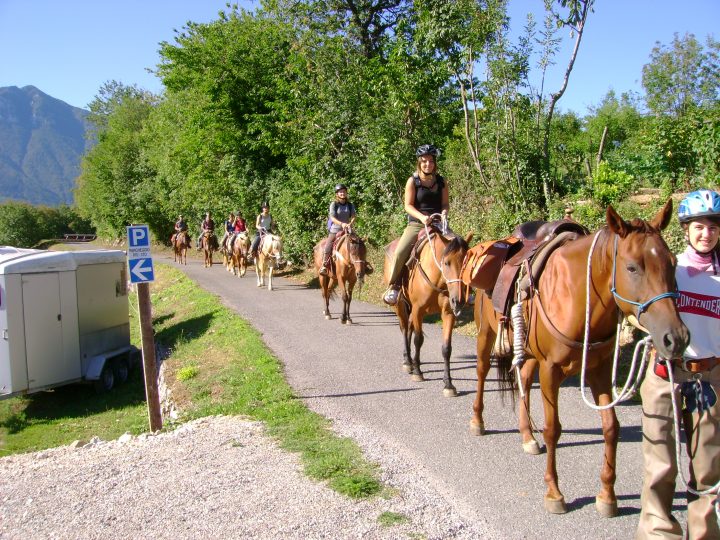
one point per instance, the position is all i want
(42, 140)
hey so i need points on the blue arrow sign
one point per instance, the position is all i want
(141, 270)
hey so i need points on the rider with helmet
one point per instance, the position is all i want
(264, 223)
(207, 226)
(229, 230)
(696, 379)
(239, 225)
(426, 193)
(342, 216)
(180, 226)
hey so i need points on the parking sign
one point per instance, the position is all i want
(139, 258)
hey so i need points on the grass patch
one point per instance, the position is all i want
(188, 372)
(390, 519)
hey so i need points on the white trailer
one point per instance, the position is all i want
(64, 318)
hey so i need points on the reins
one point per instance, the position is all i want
(443, 230)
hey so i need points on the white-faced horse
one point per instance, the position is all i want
(268, 258)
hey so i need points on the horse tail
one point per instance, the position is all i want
(506, 379)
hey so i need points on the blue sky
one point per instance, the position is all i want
(69, 48)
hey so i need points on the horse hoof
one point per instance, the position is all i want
(449, 392)
(606, 509)
(531, 447)
(477, 429)
(556, 506)
(327, 317)
(348, 321)
(417, 377)
(407, 368)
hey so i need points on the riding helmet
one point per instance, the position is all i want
(339, 187)
(265, 204)
(700, 203)
(426, 149)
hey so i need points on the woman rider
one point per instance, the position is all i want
(263, 223)
(697, 377)
(426, 193)
(229, 230)
(342, 216)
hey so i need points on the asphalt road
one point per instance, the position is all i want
(352, 375)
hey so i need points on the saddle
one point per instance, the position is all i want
(422, 239)
(495, 266)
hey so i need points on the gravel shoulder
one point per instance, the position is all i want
(217, 477)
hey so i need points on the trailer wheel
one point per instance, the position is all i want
(106, 380)
(121, 369)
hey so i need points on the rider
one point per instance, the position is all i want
(342, 216)
(263, 223)
(180, 226)
(239, 225)
(698, 281)
(207, 226)
(426, 193)
(229, 229)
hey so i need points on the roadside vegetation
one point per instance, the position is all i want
(216, 363)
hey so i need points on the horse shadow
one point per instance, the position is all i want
(188, 329)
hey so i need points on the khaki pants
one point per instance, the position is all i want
(404, 247)
(658, 448)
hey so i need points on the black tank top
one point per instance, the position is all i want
(428, 200)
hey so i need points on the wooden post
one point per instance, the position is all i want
(148, 354)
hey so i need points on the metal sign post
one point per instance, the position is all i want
(142, 272)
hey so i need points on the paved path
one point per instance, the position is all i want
(352, 375)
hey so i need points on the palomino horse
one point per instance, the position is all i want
(433, 286)
(209, 243)
(348, 267)
(181, 243)
(268, 258)
(631, 271)
(238, 254)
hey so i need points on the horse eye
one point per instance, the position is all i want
(632, 268)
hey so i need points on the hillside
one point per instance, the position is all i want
(42, 140)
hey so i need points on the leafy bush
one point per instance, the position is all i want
(609, 186)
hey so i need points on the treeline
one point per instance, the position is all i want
(23, 225)
(282, 103)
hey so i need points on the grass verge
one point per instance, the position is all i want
(217, 364)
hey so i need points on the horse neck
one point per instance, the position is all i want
(435, 244)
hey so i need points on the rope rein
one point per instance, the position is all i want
(444, 230)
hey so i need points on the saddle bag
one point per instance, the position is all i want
(483, 263)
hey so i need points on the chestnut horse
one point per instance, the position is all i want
(209, 243)
(433, 286)
(349, 266)
(181, 243)
(632, 271)
(239, 253)
(268, 258)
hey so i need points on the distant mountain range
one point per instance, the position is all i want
(42, 140)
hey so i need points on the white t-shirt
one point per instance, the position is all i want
(699, 306)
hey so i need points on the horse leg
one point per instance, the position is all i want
(402, 311)
(448, 322)
(529, 443)
(259, 273)
(270, 273)
(347, 299)
(600, 382)
(418, 339)
(484, 345)
(550, 379)
(325, 288)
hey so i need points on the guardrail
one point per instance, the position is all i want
(79, 237)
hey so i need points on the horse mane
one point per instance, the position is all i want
(457, 243)
(637, 225)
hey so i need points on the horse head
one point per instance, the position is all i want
(643, 278)
(272, 247)
(357, 254)
(451, 264)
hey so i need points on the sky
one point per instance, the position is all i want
(70, 48)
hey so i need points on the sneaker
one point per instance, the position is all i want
(391, 296)
(323, 271)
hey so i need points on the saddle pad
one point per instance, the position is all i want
(483, 262)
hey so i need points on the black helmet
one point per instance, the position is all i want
(238, 214)
(339, 187)
(426, 149)
(265, 204)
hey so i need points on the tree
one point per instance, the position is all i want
(682, 76)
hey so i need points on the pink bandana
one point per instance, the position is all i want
(699, 262)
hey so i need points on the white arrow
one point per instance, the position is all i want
(139, 270)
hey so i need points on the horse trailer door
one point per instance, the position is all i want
(47, 363)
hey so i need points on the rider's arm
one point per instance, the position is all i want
(257, 223)
(445, 198)
(409, 200)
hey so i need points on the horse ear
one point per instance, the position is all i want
(663, 217)
(617, 224)
(469, 237)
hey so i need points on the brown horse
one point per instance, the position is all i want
(240, 249)
(181, 243)
(268, 258)
(433, 286)
(633, 271)
(349, 266)
(209, 244)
